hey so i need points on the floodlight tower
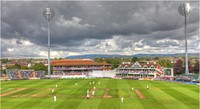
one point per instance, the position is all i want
(184, 10)
(48, 14)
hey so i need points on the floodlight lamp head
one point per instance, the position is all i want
(48, 14)
(184, 9)
(187, 7)
(48, 11)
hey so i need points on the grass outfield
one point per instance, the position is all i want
(36, 94)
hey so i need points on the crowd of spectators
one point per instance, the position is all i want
(136, 72)
(73, 68)
(13, 74)
(70, 73)
(24, 74)
(40, 74)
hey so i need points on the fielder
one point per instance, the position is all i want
(56, 85)
(93, 93)
(88, 96)
(147, 87)
(52, 90)
(94, 88)
(132, 88)
(54, 98)
(88, 92)
(122, 99)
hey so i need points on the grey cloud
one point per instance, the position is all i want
(97, 21)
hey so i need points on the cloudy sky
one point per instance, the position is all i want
(97, 27)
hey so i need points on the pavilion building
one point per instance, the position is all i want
(78, 66)
(138, 70)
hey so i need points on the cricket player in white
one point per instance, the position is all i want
(99, 83)
(94, 87)
(93, 93)
(56, 85)
(88, 92)
(132, 88)
(90, 83)
(147, 87)
(54, 98)
(88, 96)
(122, 99)
(52, 90)
(93, 82)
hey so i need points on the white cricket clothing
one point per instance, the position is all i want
(93, 93)
(88, 95)
(56, 85)
(94, 87)
(54, 98)
(88, 92)
(122, 100)
(52, 90)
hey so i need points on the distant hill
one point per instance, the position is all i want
(92, 56)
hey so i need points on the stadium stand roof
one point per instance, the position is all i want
(71, 62)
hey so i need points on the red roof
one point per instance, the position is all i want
(141, 63)
(74, 62)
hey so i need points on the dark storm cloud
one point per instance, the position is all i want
(86, 24)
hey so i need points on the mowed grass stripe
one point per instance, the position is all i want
(184, 98)
(149, 96)
(135, 101)
(5, 90)
(168, 100)
(194, 88)
(31, 91)
(110, 103)
(184, 90)
(93, 103)
(160, 95)
(35, 101)
(73, 102)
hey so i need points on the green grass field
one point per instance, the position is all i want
(36, 94)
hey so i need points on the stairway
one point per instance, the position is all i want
(19, 74)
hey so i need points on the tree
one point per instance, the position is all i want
(134, 59)
(98, 59)
(190, 67)
(4, 60)
(24, 68)
(178, 67)
(196, 67)
(46, 69)
(39, 67)
(165, 63)
(156, 58)
(115, 63)
(15, 66)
